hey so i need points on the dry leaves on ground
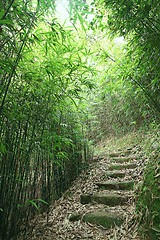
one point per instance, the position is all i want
(56, 225)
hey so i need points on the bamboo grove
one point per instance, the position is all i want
(139, 23)
(43, 145)
(128, 95)
(61, 89)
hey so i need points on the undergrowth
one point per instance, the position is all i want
(148, 201)
(148, 191)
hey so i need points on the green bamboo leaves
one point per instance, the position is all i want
(33, 202)
(42, 145)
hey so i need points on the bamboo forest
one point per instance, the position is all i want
(79, 119)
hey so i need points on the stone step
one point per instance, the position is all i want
(122, 159)
(124, 166)
(115, 174)
(107, 199)
(128, 185)
(75, 217)
(106, 219)
(122, 153)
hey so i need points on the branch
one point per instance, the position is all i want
(17, 61)
(7, 10)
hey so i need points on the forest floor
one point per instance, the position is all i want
(57, 225)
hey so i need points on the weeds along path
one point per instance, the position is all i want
(99, 205)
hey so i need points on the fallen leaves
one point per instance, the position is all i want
(56, 224)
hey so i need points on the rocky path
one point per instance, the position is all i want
(100, 203)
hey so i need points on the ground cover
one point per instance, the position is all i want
(69, 218)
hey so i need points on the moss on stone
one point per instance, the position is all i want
(122, 159)
(105, 219)
(122, 153)
(115, 174)
(128, 185)
(114, 154)
(109, 199)
(85, 198)
(75, 217)
(124, 166)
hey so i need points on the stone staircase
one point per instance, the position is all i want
(119, 191)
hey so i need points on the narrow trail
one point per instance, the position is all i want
(100, 204)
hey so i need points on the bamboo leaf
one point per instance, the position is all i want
(5, 21)
(40, 200)
(3, 148)
(46, 48)
(34, 204)
(82, 21)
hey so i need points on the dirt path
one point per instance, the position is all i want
(93, 196)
